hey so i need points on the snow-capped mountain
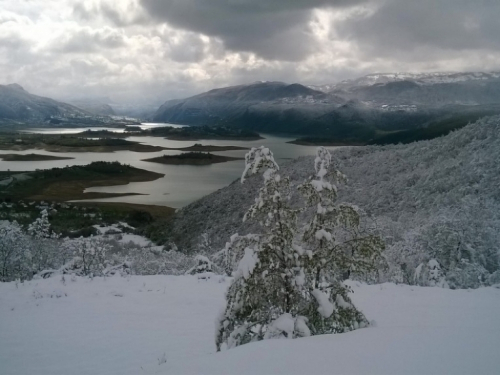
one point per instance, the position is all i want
(418, 78)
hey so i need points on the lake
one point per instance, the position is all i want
(181, 185)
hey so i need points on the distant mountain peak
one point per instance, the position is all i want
(16, 86)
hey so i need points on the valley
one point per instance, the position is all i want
(249, 187)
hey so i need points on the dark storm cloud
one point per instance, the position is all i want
(274, 30)
(399, 26)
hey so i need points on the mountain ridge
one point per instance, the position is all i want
(17, 104)
(353, 111)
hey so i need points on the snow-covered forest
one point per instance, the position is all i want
(435, 203)
(37, 251)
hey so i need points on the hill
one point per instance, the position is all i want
(430, 199)
(225, 105)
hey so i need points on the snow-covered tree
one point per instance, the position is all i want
(229, 257)
(44, 247)
(40, 228)
(430, 274)
(15, 257)
(90, 255)
(335, 248)
(202, 265)
(205, 245)
(283, 289)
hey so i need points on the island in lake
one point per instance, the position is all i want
(191, 158)
(69, 183)
(70, 143)
(195, 133)
(31, 157)
(208, 148)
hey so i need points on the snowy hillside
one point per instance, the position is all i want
(165, 325)
(432, 199)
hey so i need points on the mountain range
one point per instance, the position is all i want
(360, 110)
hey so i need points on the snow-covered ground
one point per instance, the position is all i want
(114, 231)
(165, 325)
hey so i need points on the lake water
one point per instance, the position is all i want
(181, 185)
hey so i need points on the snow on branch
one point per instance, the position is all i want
(257, 159)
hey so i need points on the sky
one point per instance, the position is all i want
(149, 51)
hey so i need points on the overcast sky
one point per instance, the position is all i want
(154, 50)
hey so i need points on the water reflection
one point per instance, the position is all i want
(182, 184)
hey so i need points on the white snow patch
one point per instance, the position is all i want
(247, 264)
(320, 234)
(283, 326)
(325, 306)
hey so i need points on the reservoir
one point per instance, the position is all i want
(181, 185)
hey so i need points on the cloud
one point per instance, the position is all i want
(154, 50)
(87, 40)
(274, 30)
(398, 27)
(121, 13)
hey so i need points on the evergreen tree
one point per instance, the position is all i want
(335, 248)
(283, 289)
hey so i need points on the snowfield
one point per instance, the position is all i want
(165, 325)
